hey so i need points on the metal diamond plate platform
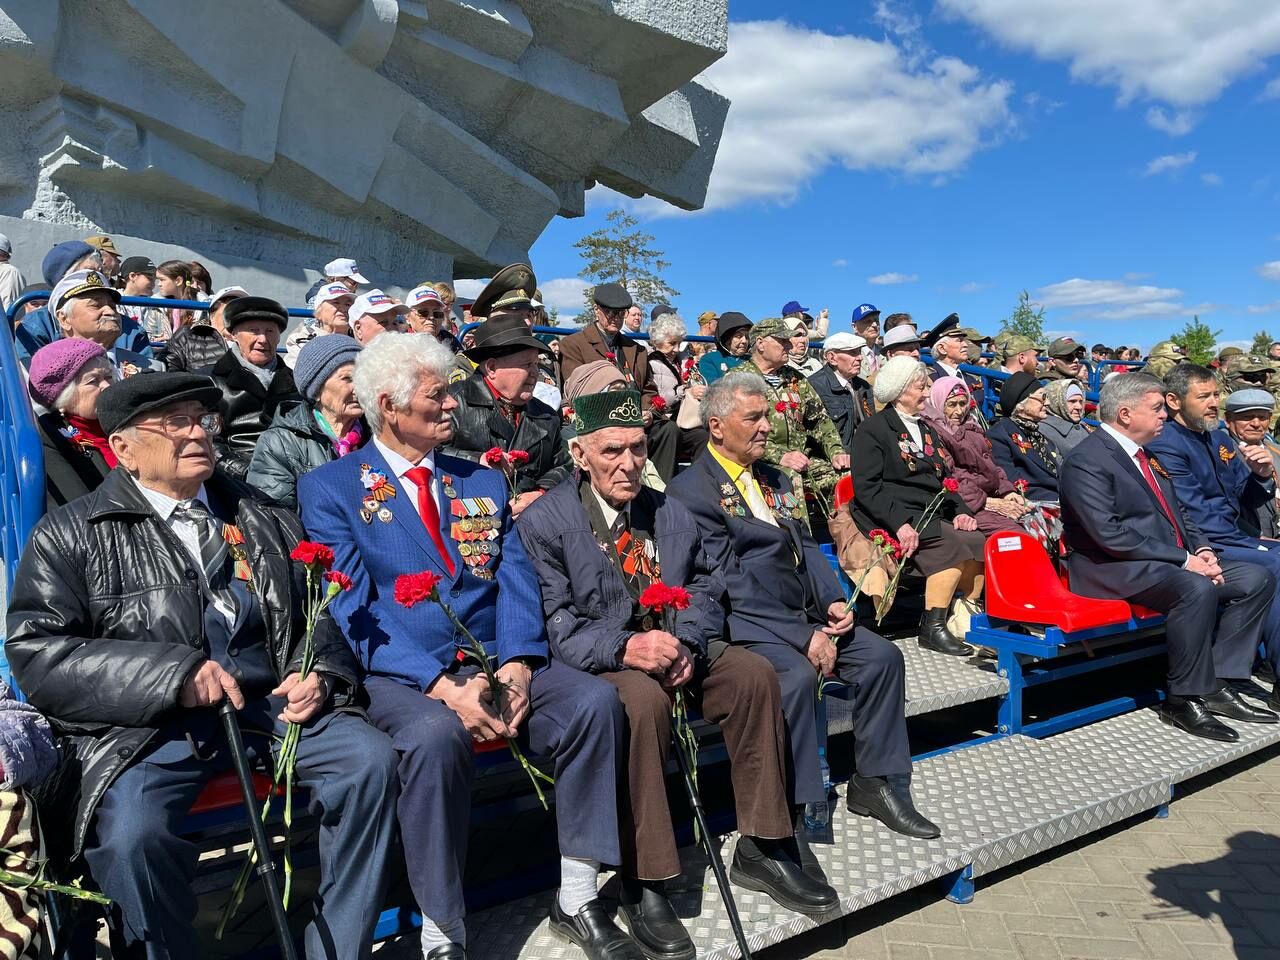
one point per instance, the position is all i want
(934, 682)
(997, 803)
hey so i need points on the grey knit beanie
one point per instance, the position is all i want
(319, 358)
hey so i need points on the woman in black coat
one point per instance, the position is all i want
(1018, 446)
(898, 472)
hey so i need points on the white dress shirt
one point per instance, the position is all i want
(610, 513)
(400, 466)
(1131, 450)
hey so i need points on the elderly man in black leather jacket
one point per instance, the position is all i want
(496, 408)
(253, 379)
(136, 610)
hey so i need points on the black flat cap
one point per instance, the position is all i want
(244, 309)
(1016, 389)
(126, 400)
(940, 329)
(611, 296)
(659, 310)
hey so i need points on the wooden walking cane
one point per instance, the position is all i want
(266, 868)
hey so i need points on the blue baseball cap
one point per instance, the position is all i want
(864, 310)
(793, 306)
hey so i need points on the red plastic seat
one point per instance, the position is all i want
(1023, 587)
(223, 791)
(843, 492)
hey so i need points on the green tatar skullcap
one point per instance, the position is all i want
(616, 408)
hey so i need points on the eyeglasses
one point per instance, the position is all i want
(179, 425)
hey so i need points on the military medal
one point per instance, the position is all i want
(234, 540)
(727, 489)
(448, 486)
(384, 514)
(376, 483)
(366, 516)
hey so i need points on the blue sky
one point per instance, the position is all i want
(1117, 159)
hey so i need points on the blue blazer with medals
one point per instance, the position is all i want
(374, 547)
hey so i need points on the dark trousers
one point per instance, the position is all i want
(739, 693)
(574, 718)
(874, 668)
(1203, 645)
(664, 440)
(140, 861)
(1269, 558)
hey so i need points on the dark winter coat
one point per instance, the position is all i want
(70, 470)
(194, 347)
(290, 448)
(248, 409)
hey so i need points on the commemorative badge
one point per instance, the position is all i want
(1225, 455)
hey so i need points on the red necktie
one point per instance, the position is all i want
(420, 477)
(1143, 462)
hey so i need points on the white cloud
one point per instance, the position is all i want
(1176, 124)
(1181, 52)
(1076, 335)
(468, 289)
(564, 293)
(1245, 345)
(1169, 163)
(891, 279)
(973, 287)
(842, 262)
(1211, 179)
(1269, 271)
(804, 100)
(1271, 91)
(1118, 300)
(1271, 307)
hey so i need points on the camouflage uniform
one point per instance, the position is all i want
(802, 424)
(1164, 356)
(1241, 372)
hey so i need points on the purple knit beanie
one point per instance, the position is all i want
(56, 364)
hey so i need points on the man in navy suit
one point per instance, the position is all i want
(398, 507)
(786, 605)
(1220, 482)
(1130, 539)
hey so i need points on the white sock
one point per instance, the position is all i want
(439, 934)
(578, 883)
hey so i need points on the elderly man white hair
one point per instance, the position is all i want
(391, 369)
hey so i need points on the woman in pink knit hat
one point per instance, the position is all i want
(66, 378)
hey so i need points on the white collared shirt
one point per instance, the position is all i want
(1131, 450)
(949, 370)
(610, 513)
(400, 466)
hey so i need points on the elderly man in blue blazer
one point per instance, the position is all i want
(1219, 482)
(598, 540)
(1129, 538)
(398, 507)
(786, 605)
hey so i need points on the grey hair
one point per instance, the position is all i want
(63, 399)
(667, 328)
(1125, 391)
(722, 396)
(392, 365)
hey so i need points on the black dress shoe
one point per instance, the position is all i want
(654, 925)
(1228, 703)
(446, 951)
(592, 930)
(808, 859)
(935, 636)
(1249, 688)
(875, 797)
(772, 867)
(1264, 672)
(1189, 714)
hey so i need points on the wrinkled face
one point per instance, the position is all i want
(613, 458)
(952, 350)
(1144, 420)
(799, 346)
(513, 376)
(911, 400)
(94, 377)
(1274, 352)
(609, 321)
(956, 408)
(91, 316)
(140, 284)
(1075, 408)
(868, 327)
(338, 395)
(369, 325)
(847, 363)
(633, 320)
(258, 340)
(424, 422)
(555, 347)
(1033, 406)
(771, 351)
(665, 347)
(348, 282)
(1249, 426)
(333, 315)
(1199, 411)
(171, 446)
(738, 343)
(742, 434)
(905, 350)
(427, 317)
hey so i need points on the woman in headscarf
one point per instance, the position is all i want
(1023, 452)
(898, 471)
(1064, 424)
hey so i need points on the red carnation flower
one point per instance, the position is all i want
(950, 484)
(413, 588)
(611, 356)
(658, 597)
(493, 456)
(518, 457)
(780, 406)
(658, 404)
(1020, 486)
(312, 554)
(793, 405)
(341, 579)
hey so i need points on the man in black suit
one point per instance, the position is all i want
(1129, 539)
(844, 393)
(786, 605)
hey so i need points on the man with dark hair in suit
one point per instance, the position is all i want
(786, 605)
(1129, 539)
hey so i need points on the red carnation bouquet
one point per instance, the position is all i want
(950, 485)
(323, 585)
(509, 462)
(414, 588)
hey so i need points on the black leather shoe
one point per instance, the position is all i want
(875, 797)
(447, 951)
(808, 859)
(1189, 714)
(1249, 688)
(655, 927)
(935, 636)
(592, 930)
(1228, 703)
(772, 867)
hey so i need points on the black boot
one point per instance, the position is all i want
(875, 797)
(935, 636)
(644, 909)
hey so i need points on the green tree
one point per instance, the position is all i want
(1262, 341)
(1027, 320)
(621, 253)
(1198, 340)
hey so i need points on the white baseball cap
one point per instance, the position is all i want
(330, 292)
(344, 267)
(423, 294)
(228, 293)
(845, 342)
(376, 302)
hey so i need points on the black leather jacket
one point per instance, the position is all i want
(106, 621)
(194, 347)
(248, 409)
(478, 426)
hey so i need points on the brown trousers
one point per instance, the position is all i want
(740, 693)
